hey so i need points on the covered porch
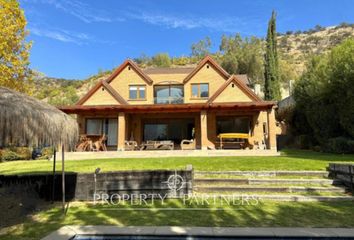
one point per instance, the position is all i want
(199, 123)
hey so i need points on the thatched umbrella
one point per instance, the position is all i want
(26, 121)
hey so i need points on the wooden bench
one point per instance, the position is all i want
(242, 139)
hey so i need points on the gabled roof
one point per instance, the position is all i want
(109, 89)
(174, 70)
(241, 85)
(212, 63)
(135, 67)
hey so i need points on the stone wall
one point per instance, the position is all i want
(83, 186)
(343, 173)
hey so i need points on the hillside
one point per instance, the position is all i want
(297, 47)
(294, 47)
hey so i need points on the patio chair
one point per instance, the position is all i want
(100, 144)
(188, 144)
(130, 145)
(85, 144)
(157, 145)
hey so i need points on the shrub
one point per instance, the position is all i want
(47, 153)
(304, 141)
(8, 155)
(340, 145)
(24, 153)
(317, 148)
(15, 153)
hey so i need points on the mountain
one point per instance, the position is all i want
(297, 47)
(294, 47)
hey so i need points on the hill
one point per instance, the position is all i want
(294, 47)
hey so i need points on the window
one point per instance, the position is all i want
(167, 94)
(94, 126)
(233, 125)
(137, 92)
(200, 90)
(100, 126)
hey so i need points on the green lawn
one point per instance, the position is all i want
(265, 214)
(289, 160)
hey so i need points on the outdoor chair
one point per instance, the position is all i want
(130, 145)
(157, 145)
(85, 144)
(100, 144)
(188, 144)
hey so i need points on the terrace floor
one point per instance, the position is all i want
(166, 153)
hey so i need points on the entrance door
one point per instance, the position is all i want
(112, 131)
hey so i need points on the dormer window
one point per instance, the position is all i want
(137, 92)
(200, 90)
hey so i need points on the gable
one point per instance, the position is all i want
(234, 90)
(232, 93)
(207, 60)
(129, 76)
(206, 74)
(101, 97)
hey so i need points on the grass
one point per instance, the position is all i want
(289, 160)
(265, 214)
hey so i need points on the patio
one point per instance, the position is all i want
(168, 153)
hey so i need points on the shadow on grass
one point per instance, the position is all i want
(312, 155)
(174, 213)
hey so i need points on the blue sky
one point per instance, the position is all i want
(75, 38)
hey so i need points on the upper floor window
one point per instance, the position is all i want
(200, 90)
(137, 92)
(168, 94)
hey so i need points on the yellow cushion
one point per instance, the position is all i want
(233, 135)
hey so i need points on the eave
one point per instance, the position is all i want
(153, 108)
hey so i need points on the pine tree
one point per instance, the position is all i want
(14, 50)
(271, 68)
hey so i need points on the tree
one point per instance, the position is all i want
(324, 98)
(271, 68)
(63, 97)
(242, 56)
(143, 60)
(201, 48)
(14, 50)
(161, 60)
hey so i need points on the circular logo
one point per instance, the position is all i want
(175, 182)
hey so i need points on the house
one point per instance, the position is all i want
(175, 104)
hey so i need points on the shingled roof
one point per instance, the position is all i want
(184, 70)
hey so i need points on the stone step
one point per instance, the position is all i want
(287, 198)
(248, 188)
(264, 173)
(238, 181)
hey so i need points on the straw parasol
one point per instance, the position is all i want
(26, 121)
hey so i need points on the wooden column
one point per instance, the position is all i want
(121, 131)
(272, 142)
(204, 130)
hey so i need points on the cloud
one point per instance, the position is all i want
(66, 36)
(80, 10)
(222, 24)
(61, 35)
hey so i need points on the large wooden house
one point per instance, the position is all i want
(175, 104)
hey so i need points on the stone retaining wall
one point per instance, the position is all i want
(343, 173)
(83, 186)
